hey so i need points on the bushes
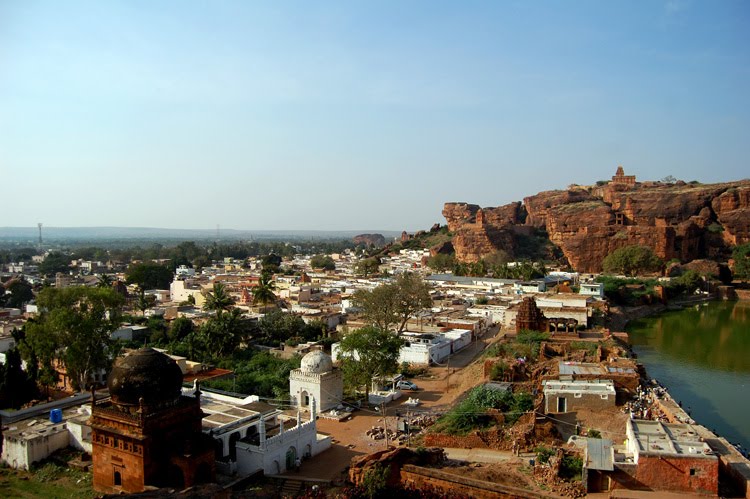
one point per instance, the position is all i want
(571, 467)
(474, 411)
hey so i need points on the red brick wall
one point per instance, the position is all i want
(673, 474)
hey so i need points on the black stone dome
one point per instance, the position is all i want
(145, 374)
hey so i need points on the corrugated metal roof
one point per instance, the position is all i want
(580, 368)
(599, 455)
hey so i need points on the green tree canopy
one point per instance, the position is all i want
(223, 333)
(149, 275)
(180, 328)
(441, 262)
(219, 299)
(54, 263)
(324, 262)
(368, 353)
(631, 261)
(271, 263)
(391, 305)
(263, 293)
(741, 257)
(18, 293)
(75, 327)
(367, 266)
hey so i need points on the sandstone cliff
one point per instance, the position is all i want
(678, 221)
(376, 240)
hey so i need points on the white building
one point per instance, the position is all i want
(253, 436)
(31, 440)
(316, 379)
(592, 289)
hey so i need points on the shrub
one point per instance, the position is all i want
(498, 370)
(543, 454)
(594, 433)
(588, 346)
(571, 467)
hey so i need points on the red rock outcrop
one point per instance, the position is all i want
(376, 240)
(678, 221)
(732, 210)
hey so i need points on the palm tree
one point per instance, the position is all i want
(263, 293)
(104, 281)
(218, 299)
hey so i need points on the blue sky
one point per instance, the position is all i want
(356, 115)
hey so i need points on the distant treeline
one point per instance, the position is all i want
(180, 253)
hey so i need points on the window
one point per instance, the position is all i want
(692, 471)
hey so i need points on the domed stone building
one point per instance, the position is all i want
(316, 379)
(147, 433)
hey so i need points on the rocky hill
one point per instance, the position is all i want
(677, 220)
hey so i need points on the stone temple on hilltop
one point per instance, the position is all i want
(316, 379)
(147, 433)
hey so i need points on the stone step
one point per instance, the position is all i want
(291, 488)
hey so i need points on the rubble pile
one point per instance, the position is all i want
(379, 433)
(546, 477)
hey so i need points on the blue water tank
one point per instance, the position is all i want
(55, 415)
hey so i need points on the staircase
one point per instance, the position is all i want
(291, 488)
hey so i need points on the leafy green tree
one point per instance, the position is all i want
(18, 293)
(104, 281)
(261, 374)
(369, 353)
(412, 297)
(149, 275)
(441, 262)
(324, 262)
(74, 327)
(16, 386)
(278, 327)
(143, 301)
(180, 328)
(271, 263)
(54, 263)
(367, 266)
(219, 299)
(632, 260)
(263, 293)
(741, 257)
(223, 333)
(391, 305)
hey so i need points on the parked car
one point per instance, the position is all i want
(406, 385)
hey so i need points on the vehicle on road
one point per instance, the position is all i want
(406, 385)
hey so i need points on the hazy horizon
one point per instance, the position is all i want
(331, 115)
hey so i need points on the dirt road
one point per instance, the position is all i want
(436, 393)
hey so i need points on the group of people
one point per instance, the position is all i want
(643, 405)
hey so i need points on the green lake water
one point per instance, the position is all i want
(702, 355)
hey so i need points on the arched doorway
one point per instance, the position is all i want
(304, 399)
(252, 436)
(291, 458)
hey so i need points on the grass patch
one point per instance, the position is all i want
(49, 480)
(473, 412)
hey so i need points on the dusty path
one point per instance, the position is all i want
(436, 393)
